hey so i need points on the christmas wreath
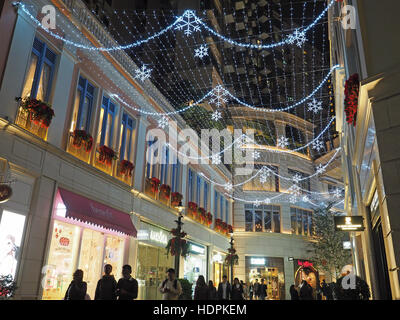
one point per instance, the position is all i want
(126, 168)
(107, 155)
(154, 184)
(81, 136)
(232, 257)
(176, 198)
(177, 244)
(40, 112)
(351, 92)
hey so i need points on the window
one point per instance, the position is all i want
(175, 176)
(151, 165)
(226, 211)
(267, 218)
(303, 184)
(165, 166)
(205, 199)
(301, 221)
(271, 183)
(190, 185)
(106, 123)
(248, 220)
(198, 190)
(40, 72)
(126, 138)
(83, 105)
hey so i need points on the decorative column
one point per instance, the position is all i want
(140, 156)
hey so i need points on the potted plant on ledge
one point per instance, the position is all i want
(176, 198)
(106, 155)
(80, 138)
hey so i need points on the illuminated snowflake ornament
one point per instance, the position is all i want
(143, 73)
(218, 96)
(297, 178)
(295, 190)
(267, 200)
(257, 203)
(201, 52)
(228, 186)
(305, 199)
(320, 169)
(216, 115)
(163, 122)
(293, 199)
(337, 193)
(315, 106)
(283, 142)
(318, 145)
(298, 37)
(216, 159)
(264, 174)
(255, 154)
(188, 22)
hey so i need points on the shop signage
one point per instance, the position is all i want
(154, 235)
(257, 261)
(352, 223)
(197, 249)
(304, 264)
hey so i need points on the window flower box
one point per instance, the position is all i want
(106, 155)
(124, 171)
(151, 186)
(192, 209)
(80, 144)
(35, 116)
(201, 215)
(176, 198)
(209, 219)
(165, 193)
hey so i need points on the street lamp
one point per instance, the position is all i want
(179, 223)
(231, 243)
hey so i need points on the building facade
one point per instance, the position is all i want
(364, 49)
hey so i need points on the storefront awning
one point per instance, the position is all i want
(86, 210)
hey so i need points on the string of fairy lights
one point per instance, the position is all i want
(187, 36)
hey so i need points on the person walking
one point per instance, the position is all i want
(171, 287)
(107, 286)
(77, 288)
(224, 289)
(201, 289)
(212, 291)
(245, 291)
(294, 295)
(251, 291)
(306, 291)
(256, 290)
(360, 292)
(237, 290)
(262, 290)
(127, 287)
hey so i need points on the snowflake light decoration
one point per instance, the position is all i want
(315, 105)
(320, 169)
(298, 37)
(318, 145)
(188, 22)
(216, 115)
(216, 159)
(255, 154)
(143, 73)
(264, 174)
(283, 142)
(257, 203)
(295, 190)
(293, 199)
(163, 122)
(267, 200)
(228, 186)
(297, 178)
(218, 96)
(337, 193)
(201, 52)
(305, 199)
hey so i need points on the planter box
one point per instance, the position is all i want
(24, 121)
(147, 188)
(103, 166)
(123, 177)
(78, 151)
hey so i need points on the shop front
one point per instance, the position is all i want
(219, 267)
(195, 263)
(152, 261)
(85, 235)
(270, 269)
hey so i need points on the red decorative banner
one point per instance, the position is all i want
(351, 91)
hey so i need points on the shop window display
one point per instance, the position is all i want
(11, 231)
(61, 262)
(113, 250)
(195, 264)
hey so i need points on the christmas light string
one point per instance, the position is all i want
(189, 22)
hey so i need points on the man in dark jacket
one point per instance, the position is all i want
(306, 291)
(224, 289)
(262, 290)
(107, 286)
(359, 292)
(127, 287)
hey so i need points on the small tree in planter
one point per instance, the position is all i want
(7, 287)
